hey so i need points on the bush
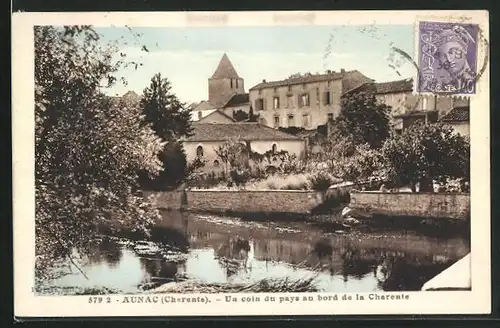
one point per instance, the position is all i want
(320, 181)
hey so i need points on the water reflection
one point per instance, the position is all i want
(218, 249)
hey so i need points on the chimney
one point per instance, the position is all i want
(342, 71)
(329, 71)
(264, 81)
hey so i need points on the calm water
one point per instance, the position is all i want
(220, 249)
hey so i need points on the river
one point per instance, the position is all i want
(219, 249)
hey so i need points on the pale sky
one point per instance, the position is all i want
(189, 56)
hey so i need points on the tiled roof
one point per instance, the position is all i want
(238, 99)
(299, 80)
(350, 80)
(416, 113)
(457, 114)
(240, 131)
(225, 69)
(405, 85)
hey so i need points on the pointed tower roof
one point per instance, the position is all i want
(225, 69)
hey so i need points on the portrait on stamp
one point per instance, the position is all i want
(447, 57)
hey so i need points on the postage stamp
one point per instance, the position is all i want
(447, 57)
(250, 163)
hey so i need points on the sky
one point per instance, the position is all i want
(188, 56)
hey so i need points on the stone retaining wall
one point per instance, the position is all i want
(267, 201)
(430, 205)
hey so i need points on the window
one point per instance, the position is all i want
(276, 102)
(303, 85)
(276, 121)
(290, 120)
(199, 151)
(306, 121)
(424, 103)
(259, 104)
(275, 89)
(330, 116)
(231, 83)
(216, 163)
(236, 83)
(274, 149)
(327, 98)
(289, 101)
(304, 100)
(289, 88)
(317, 96)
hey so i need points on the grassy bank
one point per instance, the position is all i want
(267, 285)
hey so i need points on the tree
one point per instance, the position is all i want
(426, 152)
(350, 161)
(175, 169)
(240, 115)
(171, 120)
(364, 119)
(169, 117)
(251, 116)
(88, 149)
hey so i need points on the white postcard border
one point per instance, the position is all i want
(26, 304)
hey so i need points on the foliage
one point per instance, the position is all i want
(240, 115)
(426, 152)
(320, 181)
(293, 130)
(169, 117)
(232, 153)
(364, 119)
(251, 116)
(299, 75)
(88, 149)
(175, 170)
(350, 161)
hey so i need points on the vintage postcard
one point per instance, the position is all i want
(251, 163)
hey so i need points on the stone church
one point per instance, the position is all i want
(226, 94)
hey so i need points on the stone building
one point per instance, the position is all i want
(226, 92)
(408, 107)
(307, 101)
(257, 137)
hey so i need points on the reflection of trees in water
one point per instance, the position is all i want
(159, 268)
(358, 262)
(395, 270)
(233, 254)
(171, 236)
(280, 250)
(400, 273)
(107, 250)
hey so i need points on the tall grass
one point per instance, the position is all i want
(266, 285)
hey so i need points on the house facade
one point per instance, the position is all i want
(307, 101)
(407, 107)
(256, 137)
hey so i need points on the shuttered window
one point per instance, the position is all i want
(259, 104)
(327, 100)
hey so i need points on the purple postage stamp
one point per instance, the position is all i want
(447, 57)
